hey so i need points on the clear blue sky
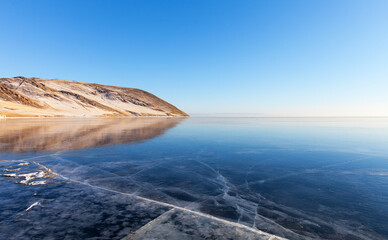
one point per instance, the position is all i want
(272, 58)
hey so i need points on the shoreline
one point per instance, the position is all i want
(88, 117)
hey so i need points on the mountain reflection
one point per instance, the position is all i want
(34, 135)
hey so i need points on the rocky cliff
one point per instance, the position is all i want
(36, 97)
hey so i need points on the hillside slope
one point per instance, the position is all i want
(36, 97)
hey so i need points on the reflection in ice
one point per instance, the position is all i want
(26, 135)
(199, 180)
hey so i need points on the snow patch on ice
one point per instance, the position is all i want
(27, 178)
(32, 205)
(37, 183)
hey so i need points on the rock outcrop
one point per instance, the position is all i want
(36, 97)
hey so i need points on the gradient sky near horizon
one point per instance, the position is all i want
(267, 58)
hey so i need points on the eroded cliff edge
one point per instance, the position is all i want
(37, 97)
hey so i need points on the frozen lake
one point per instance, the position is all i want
(143, 178)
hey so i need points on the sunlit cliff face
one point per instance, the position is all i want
(35, 97)
(34, 135)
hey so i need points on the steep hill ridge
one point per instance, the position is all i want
(37, 97)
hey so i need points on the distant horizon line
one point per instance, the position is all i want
(277, 116)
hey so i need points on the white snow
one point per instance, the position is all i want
(32, 205)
